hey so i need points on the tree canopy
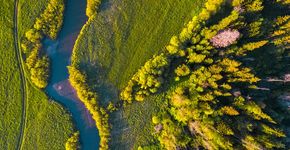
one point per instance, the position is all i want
(210, 105)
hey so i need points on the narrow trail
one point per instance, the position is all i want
(22, 75)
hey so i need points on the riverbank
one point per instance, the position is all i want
(59, 52)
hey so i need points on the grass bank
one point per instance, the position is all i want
(10, 84)
(44, 119)
(114, 44)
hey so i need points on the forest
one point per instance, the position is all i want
(212, 97)
(207, 88)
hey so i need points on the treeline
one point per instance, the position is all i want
(211, 105)
(73, 142)
(48, 24)
(90, 100)
(92, 7)
(148, 78)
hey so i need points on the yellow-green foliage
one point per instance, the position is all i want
(92, 7)
(272, 131)
(213, 92)
(44, 119)
(50, 21)
(155, 120)
(281, 31)
(249, 142)
(48, 24)
(168, 136)
(182, 70)
(90, 100)
(146, 80)
(225, 22)
(255, 28)
(285, 2)
(211, 7)
(251, 46)
(237, 2)
(229, 110)
(73, 142)
(255, 5)
(39, 72)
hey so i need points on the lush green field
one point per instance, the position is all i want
(126, 34)
(10, 85)
(29, 11)
(114, 45)
(45, 118)
(48, 125)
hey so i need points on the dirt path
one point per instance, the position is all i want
(22, 76)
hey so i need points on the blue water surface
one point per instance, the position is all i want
(60, 51)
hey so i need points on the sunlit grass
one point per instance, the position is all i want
(48, 125)
(115, 44)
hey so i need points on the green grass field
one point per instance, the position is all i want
(48, 125)
(124, 35)
(116, 43)
(112, 46)
(29, 11)
(10, 89)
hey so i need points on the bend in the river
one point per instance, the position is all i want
(59, 89)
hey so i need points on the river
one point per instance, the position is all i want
(59, 89)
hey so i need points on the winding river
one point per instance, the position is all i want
(59, 89)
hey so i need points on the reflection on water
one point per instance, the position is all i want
(50, 46)
(59, 87)
(64, 89)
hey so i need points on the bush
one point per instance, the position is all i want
(40, 72)
(92, 7)
(73, 142)
(48, 24)
(147, 80)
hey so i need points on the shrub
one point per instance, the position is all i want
(92, 7)
(73, 142)
(48, 24)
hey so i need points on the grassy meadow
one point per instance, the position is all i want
(126, 34)
(10, 85)
(29, 11)
(45, 119)
(48, 125)
(116, 43)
